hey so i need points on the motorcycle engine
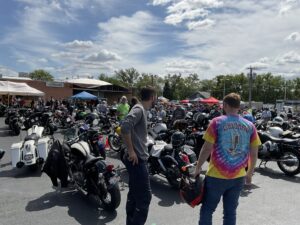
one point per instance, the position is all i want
(268, 148)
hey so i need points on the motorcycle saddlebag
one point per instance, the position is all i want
(16, 153)
(43, 147)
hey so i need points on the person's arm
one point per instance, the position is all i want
(127, 125)
(252, 164)
(203, 156)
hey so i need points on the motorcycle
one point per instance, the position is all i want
(286, 152)
(114, 138)
(167, 160)
(92, 175)
(94, 138)
(13, 121)
(2, 110)
(31, 152)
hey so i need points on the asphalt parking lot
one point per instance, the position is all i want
(28, 198)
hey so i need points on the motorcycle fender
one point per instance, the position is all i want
(15, 150)
(82, 146)
(29, 149)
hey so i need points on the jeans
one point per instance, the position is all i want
(214, 189)
(139, 194)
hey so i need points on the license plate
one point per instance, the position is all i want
(28, 157)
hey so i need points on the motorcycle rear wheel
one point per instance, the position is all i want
(113, 198)
(290, 169)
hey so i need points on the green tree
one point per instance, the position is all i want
(128, 77)
(167, 92)
(110, 79)
(41, 75)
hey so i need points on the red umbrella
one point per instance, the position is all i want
(210, 100)
(185, 101)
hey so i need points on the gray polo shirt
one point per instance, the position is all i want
(136, 124)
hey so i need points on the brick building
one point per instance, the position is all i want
(63, 90)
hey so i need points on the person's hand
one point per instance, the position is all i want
(132, 157)
(248, 179)
(197, 171)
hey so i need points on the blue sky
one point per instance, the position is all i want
(209, 37)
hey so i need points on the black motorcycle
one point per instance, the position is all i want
(92, 175)
(286, 152)
(2, 110)
(13, 121)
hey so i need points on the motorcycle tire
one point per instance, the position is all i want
(114, 142)
(174, 177)
(2, 113)
(6, 121)
(113, 198)
(283, 165)
(16, 129)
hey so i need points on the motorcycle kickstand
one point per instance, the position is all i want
(262, 162)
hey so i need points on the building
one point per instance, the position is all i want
(63, 90)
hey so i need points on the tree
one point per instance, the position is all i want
(110, 79)
(41, 75)
(128, 77)
(167, 92)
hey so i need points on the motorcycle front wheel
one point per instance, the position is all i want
(114, 142)
(112, 199)
(174, 177)
(291, 167)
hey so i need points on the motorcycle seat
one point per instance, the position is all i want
(281, 140)
(33, 137)
(90, 160)
(168, 148)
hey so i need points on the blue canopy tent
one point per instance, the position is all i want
(84, 96)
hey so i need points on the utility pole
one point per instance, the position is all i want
(284, 91)
(224, 89)
(251, 76)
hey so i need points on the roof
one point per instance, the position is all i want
(200, 94)
(88, 82)
(23, 89)
(16, 78)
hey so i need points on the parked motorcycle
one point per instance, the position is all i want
(168, 159)
(92, 175)
(114, 138)
(31, 152)
(286, 152)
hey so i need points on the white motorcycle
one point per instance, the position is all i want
(33, 151)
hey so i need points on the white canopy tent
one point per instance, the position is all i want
(23, 89)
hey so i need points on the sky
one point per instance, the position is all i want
(82, 38)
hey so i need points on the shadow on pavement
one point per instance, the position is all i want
(79, 207)
(160, 188)
(20, 173)
(276, 174)
(247, 189)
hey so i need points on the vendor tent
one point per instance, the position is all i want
(210, 100)
(162, 99)
(84, 96)
(22, 89)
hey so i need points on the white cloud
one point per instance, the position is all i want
(256, 65)
(5, 71)
(102, 56)
(76, 44)
(287, 5)
(186, 66)
(295, 36)
(42, 60)
(194, 25)
(190, 12)
(289, 57)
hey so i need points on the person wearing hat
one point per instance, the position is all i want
(123, 108)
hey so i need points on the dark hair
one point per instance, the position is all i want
(233, 100)
(146, 93)
(134, 100)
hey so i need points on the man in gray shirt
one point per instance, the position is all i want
(134, 134)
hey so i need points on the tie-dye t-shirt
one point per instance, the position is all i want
(232, 137)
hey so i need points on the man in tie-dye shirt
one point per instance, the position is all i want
(231, 142)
